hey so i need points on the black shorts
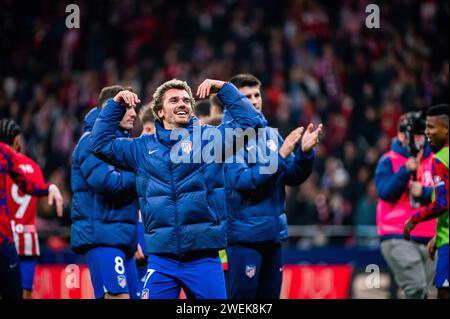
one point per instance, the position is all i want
(10, 279)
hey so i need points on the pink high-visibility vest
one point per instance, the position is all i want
(391, 217)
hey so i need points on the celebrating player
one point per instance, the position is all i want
(22, 207)
(437, 125)
(105, 211)
(10, 276)
(183, 229)
(257, 221)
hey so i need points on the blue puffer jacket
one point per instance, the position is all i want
(104, 205)
(178, 210)
(255, 201)
(216, 190)
(214, 173)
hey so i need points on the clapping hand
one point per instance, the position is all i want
(311, 137)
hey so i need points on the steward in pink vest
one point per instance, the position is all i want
(393, 180)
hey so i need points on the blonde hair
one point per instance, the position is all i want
(146, 114)
(156, 103)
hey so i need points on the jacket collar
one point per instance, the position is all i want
(163, 135)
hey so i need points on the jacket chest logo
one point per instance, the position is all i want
(437, 180)
(186, 147)
(272, 145)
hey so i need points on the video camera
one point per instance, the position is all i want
(413, 124)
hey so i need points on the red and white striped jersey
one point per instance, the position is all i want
(22, 209)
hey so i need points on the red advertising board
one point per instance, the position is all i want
(62, 282)
(299, 282)
(316, 282)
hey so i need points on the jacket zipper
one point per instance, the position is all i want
(177, 228)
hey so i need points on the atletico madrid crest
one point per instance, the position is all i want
(145, 294)
(186, 147)
(250, 271)
(122, 281)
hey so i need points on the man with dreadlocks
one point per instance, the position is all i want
(18, 167)
(22, 207)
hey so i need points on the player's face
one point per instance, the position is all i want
(253, 93)
(148, 128)
(177, 109)
(436, 131)
(127, 122)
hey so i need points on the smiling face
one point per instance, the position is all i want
(176, 109)
(253, 93)
(437, 130)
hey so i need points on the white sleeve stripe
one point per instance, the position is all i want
(36, 242)
(16, 241)
(28, 247)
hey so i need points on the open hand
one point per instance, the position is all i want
(431, 247)
(54, 195)
(209, 86)
(408, 228)
(127, 97)
(291, 142)
(311, 138)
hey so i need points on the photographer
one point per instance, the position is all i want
(408, 160)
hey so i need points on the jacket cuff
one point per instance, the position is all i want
(404, 173)
(426, 194)
(228, 93)
(111, 108)
(281, 162)
(305, 155)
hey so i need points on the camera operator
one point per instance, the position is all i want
(407, 163)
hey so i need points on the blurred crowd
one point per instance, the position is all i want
(317, 60)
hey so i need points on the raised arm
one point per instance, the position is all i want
(119, 151)
(105, 178)
(242, 112)
(35, 188)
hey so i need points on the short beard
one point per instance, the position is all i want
(183, 123)
(436, 148)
